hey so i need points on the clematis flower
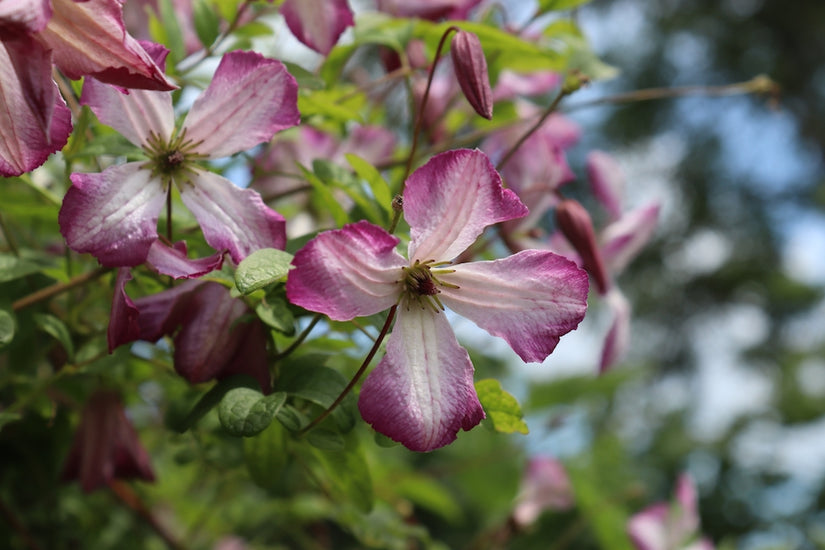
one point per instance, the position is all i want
(428, 9)
(546, 486)
(80, 38)
(106, 446)
(317, 23)
(670, 526)
(421, 393)
(210, 337)
(113, 215)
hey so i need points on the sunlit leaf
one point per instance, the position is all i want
(501, 407)
(262, 268)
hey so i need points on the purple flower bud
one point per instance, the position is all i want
(471, 72)
(106, 446)
(575, 223)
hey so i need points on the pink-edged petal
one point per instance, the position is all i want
(34, 119)
(606, 181)
(317, 23)
(618, 337)
(450, 200)
(428, 9)
(622, 240)
(173, 261)
(346, 273)
(89, 38)
(135, 114)
(123, 322)
(232, 218)
(249, 99)
(421, 393)
(21, 17)
(113, 215)
(687, 521)
(648, 528)
(530, 299)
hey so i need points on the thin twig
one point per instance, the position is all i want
(321, 417)
(58, 288)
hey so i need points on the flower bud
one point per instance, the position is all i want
(574, 222)
(471, 72)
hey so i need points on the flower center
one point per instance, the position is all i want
(421, 284)
(171, 160)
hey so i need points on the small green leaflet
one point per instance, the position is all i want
(262, 268)
(501, 407)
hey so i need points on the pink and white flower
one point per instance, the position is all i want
(113, 214)
(421, 393)
(80, 38)
(670, 526)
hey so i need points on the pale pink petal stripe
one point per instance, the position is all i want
(89, 38)
(450, 200)
(350, 272)
(317, 23)
(232, 218)
(34, 119)
(421, 393)
(113, 215)
(648, 528)
(135, 114)
(606, 181)
(622, 240)
(530, 299)
(249, 99)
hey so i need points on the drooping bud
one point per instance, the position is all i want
(471, 72)
(106, 446)
(574, 222)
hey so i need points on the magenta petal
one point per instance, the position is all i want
(123, 322)
(89, 38)
(34, 119)
(232, 218)
(530, 299)
(21, 17)
(618, 337)
(164, 312)
(623, 239)
(607, 182)
(347, 273)
(249, 99)
(648, 529)
(317, 23)
(113, 215)
(421, 393)
(173, 261)
(136, 114)
(450, 200)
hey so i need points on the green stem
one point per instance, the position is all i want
(550, 110)
(384, 330)
(58, 288)
(301, 337)
(419, 117)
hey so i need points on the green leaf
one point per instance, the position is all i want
(55, 327)
(326, 196)
(253, 29)
(210, 400)
(266, 455)
(292, 419)
(207, 23)
(262, 268)
(559, 5)
(7, 327)
(12, 267)
(335, 176)
(273, 311)
(431, 495)
(379, 186)
(246, 412)
(173, 37)
(328, 104)
(305, 79)
(501, 407)
(344, 474)
(326, 440)
(6, 417)
(322, 386)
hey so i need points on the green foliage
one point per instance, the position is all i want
(245, 412)
(501, 407)
(262, 268)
